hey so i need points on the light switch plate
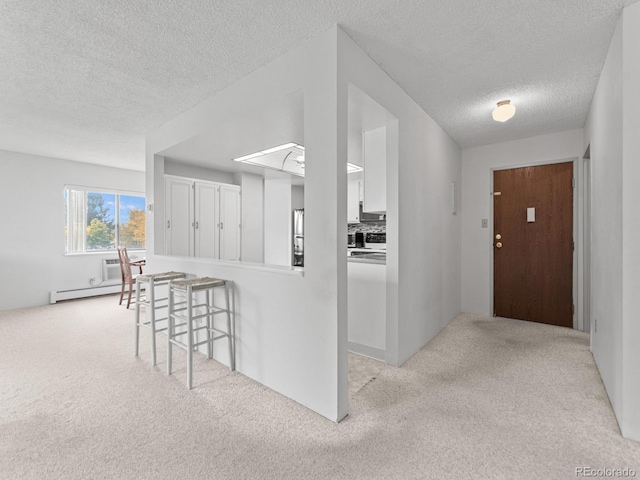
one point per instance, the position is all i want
(531, 215)
(485, 223)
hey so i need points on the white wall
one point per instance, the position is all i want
(611, 131)
(277, 222)
(423, 237)
(252, 207)
(297, 196)
(32, 258)
(603, 131)
(477, 242)
(289, 324)
(200, 173)
(631, 222)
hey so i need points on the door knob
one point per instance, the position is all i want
(499, 245)
(498, 236)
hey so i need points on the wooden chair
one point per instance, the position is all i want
(125, 269)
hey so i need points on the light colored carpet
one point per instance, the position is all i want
(487, 398)
(362, 371)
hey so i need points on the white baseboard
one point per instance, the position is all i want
(83, 293)
(367, 351)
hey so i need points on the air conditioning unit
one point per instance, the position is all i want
(111, 270)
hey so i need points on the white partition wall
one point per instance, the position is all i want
(287, 321)
(292, 324)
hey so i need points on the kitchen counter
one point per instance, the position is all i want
(367, 255)
(376, 258)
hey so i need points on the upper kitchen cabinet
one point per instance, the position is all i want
(229, 222)
(202, 219)
(206, 220)
(374, 146)
(178, 216)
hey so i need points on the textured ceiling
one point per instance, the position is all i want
(87, 79)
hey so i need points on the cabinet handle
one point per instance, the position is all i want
(221, 225)
(168, 223)
(197, 225)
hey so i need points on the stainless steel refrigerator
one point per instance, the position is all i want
(298, 238)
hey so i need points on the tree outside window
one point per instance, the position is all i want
(132, 221)
(101, 225)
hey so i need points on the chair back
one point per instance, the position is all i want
(125, 263)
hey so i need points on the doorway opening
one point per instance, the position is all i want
(372, 144)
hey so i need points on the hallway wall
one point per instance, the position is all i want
(611, 131)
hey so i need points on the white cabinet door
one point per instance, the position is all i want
(229, 222)
(353, 202)
(202, 219)
(375, 170)
(206, 220)
(178, 217)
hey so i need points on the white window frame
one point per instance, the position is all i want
(70, 232)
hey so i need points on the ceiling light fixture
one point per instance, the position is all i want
(504, 111)
(266, 152)
(291, 160)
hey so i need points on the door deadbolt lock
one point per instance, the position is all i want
(498, 236)
(499, 245)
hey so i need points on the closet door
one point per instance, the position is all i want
(229, 222)
(178, 217)
(206, 220)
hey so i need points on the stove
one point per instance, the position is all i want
(371, 243)
(376, 241)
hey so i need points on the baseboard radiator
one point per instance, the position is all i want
(111, 283)
(83, 293)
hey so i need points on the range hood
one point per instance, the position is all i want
(287, 158)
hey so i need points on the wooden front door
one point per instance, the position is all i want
(533, 244)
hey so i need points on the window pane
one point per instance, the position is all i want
(101, 230)
(132, 221)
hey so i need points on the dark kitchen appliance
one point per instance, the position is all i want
(359, 240)
(351, 240)
(298, 238)
(376, 237)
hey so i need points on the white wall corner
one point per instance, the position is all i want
(630, 424)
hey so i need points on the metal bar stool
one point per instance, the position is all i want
(182, 314)
(151, 281)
